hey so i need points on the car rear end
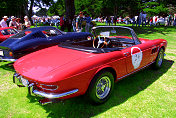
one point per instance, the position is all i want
(48, 91)
(6, 54)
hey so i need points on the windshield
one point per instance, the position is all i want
(8, 31)
(106, 39)
(21, 34)
(112, 31)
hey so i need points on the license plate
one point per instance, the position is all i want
(1, 53)
(24, 82)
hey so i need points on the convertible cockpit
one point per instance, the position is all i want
(106, 39)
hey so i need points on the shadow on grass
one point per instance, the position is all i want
(123, 90)
(7, 66)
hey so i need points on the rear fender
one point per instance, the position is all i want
(105, 67)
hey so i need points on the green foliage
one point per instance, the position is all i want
(42, 12)
(57, 8)
(154, 8)
(91, 7)
(11, 7)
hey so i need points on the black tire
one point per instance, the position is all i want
(101, 87)
(159, 59)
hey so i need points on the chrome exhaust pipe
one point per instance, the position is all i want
(48, 101)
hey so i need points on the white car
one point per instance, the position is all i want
(161, 21)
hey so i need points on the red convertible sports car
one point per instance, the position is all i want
(87, 67)
(6, 32)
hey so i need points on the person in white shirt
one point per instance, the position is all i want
(27, 23)
(3, 22)
(13, 22)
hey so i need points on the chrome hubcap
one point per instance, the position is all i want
(103, 87)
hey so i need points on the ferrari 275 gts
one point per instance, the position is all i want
(87, 67)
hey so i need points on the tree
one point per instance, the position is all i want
(70, 12)
(29, 4)
(11, 8)
(41, 12)
(92, 7)
(57, 8)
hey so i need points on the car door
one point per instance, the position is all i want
(137, 56)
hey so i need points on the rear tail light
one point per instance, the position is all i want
(49, 87)
(89, 38)
(11, 54)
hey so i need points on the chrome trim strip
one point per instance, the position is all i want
(53, 95)
(12, 60)
(135, 70)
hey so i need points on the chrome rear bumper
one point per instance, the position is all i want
(17, 79)
(11, 60)
(53, 95)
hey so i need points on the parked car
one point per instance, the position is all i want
(87, 67)
(6, 32)
(34, 39)
(161, 21)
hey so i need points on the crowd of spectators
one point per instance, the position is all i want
(77, 23)
(141, 19)
(84, 20)
(15, 23)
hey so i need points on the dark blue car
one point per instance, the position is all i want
(34, 39)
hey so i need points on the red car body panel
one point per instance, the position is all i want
(72, 69)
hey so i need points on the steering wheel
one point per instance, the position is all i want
(100, 41)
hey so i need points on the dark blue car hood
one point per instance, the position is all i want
(9, 43)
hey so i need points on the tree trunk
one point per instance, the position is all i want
(70, 12)
(30, 11)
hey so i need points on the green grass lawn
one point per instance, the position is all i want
(148, 93)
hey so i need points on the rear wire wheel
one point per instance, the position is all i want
(159, 59)
(101, 87)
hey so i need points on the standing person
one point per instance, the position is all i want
(115, 20)
(108, 19)
(137, 20)
(166, 21)
(79, 20)
(112, 20)
(144, 18)
(169, 20)
(133, 21)
(140, 20)
(151, 21)
(74, 23)
(19, 25)
(62, 22)
(27, 23)
(88, 21)
(120, 19)
(174, 20)
(3, 22)
(13, 22)
(156, 20)
(34, 20)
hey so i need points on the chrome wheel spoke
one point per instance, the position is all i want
(103, 87)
